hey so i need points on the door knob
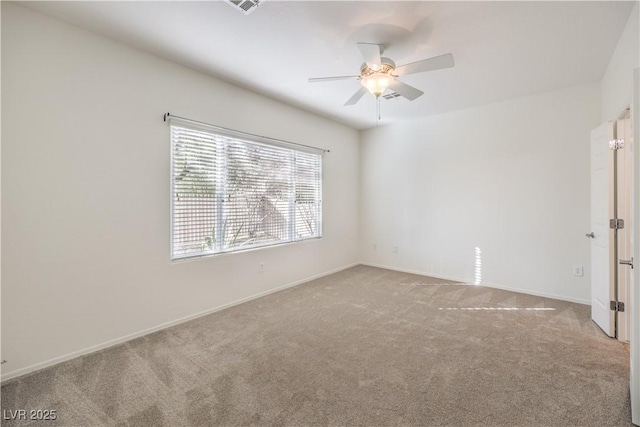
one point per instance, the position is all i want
(591, 235)
(626, 262)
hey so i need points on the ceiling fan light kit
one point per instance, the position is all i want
(378, 74)
(378, 77)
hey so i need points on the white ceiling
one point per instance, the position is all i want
(502, 50)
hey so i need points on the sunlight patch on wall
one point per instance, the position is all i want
(477, 276)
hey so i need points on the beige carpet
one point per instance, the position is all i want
(365, 346)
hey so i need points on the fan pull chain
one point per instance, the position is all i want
(377, 111)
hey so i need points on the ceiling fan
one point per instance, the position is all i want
(378, 73)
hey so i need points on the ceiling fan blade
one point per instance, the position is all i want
(405, 90)
(330, 79)
(429, 64)
(371, 54)
(356, 96)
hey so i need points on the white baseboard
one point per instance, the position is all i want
(51, 362)
(489, 285)
(418, 272)
(538, 294)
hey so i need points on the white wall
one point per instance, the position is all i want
(617, 82)
(85, 192)
(510, 178)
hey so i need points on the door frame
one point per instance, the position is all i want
(624, 243)
(634, 308)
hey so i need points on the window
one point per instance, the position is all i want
(231, 193)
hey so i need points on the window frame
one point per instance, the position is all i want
(249, 140)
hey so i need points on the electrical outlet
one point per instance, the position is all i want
(395, 249)
(578, 271)
(261, 267)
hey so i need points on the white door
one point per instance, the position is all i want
(602, 283)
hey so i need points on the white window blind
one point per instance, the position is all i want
(231, 193)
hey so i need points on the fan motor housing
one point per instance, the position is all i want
(387, 68)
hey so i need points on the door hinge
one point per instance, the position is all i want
(616, 223)
(617, 306)
(616, 144)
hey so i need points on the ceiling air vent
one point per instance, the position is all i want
(245, 6)
(391, 95)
